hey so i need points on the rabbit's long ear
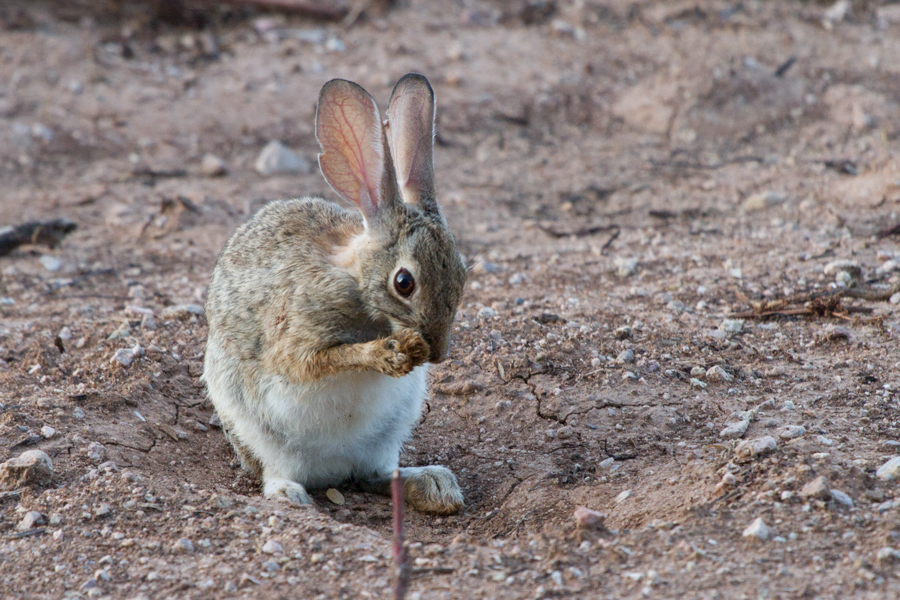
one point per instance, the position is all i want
(354, 160)
(410, 134)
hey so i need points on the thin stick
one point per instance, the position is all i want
(401, 557)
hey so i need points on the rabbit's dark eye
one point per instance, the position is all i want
(404, 283)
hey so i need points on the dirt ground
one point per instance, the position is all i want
(746, 151)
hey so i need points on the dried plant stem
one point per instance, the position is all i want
(401, 558)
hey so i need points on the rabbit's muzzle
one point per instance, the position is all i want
(440, 347)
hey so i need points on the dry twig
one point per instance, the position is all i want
(49, 233)
(401, 556)
(819, 304)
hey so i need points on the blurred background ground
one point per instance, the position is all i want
(628, 178)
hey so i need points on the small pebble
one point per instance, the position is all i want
(32, 467)
(335, 496)
(842, 498)
(625, 357)
(757, 530)
(589, 519)
(889, 470)
(735, 430)
(756, 447)
(817, 489)
(732, 325)
(625, 267)
(183, 546)
(623, 333)
(78, 413)
(213, 166)
(486, 313)
(717, 373)
(31, 520)
(789, 432)
(272, 547)
(622, 497)
(47, 431)
(96, 452)
(565, 432)
(103, 510)
(123, 357)
(51, 263)
(276, 158)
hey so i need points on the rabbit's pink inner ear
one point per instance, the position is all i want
(348, 128)
(411, 137)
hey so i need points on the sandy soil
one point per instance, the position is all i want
(745, 151)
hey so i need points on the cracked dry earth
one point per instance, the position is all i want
(746, 151)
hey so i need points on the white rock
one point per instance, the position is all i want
(272, 547)
(31, 520)
(182, 310)
(717, 373)
(607, 463)
(732, 325)
(47, 431)
(29, 468)
(789, 432)
(277, 158)
(622, 497)
(836, 266)
(96, 452)
(887, 555)
(148, 322)
(842, 498)
(213, 166)
(697, 383)
(889, 470)
(757, 530)
(735, 430)
(51, 263)
(65, 334)
(123, 357)
(838, 11)
(183, 546)
(756, 447)
(625, 357)
(762, 200)
(625, 267)
(589, 519)
(486, 313)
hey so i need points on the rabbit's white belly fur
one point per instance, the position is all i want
(322, 433)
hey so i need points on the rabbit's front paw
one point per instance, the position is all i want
(401, 353)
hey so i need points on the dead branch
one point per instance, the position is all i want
(333, 10)
(401, 555)
(819, 304)
(49, 233)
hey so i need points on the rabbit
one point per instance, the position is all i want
(322, 320)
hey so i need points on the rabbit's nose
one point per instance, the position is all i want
(439, 357)
(440, 351)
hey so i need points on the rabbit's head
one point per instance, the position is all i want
(405, 261)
